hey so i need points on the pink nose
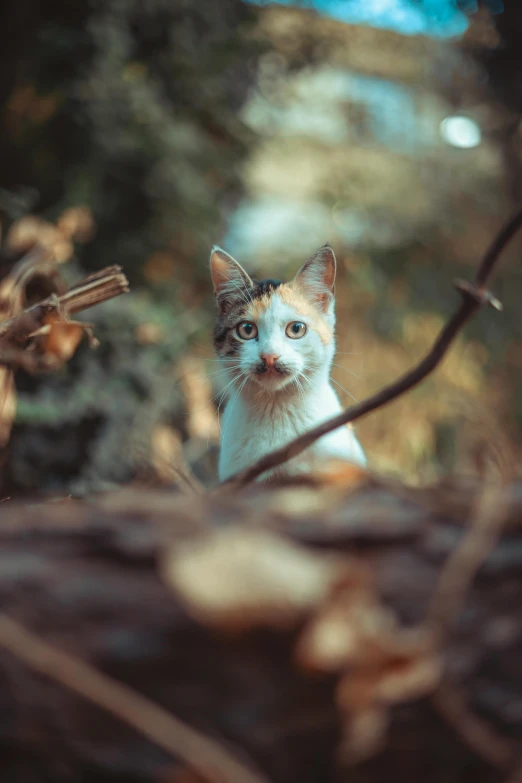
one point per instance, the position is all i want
(269, 358)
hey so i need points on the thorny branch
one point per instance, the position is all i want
(473, 296)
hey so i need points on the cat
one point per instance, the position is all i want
(276, 344)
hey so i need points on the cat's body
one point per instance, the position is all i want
(276, 343)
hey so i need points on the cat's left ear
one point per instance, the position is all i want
(230, 280)
(316, 278)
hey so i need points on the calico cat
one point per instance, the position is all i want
(276, 344)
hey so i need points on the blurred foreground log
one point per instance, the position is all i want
(240, 644)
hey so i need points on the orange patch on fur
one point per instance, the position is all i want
(258, 307)
(304, 307)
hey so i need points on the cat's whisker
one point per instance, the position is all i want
(210, 375)
(300, 388)
(306, 378)
(222, 395)
(221, 371)
(347, 370)
(344, 390)
(214, 398)
(349, 353)
(232, 404)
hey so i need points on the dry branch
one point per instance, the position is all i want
(42, 337)
(473, 297)
(95, 289)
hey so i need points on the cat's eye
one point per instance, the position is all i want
(296, 329)
(246, 330)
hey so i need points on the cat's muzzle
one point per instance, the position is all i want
(262, 368)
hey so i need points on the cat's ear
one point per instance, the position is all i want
(228, 277)
(316, 278)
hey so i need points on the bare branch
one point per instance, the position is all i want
(473, 296)
(447, 602)
(459, 572)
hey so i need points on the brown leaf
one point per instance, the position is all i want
(339, 635)
(7, 404)
(239, 579)
(380, 664)
(408, 668)
(29, 231)
(339, 473)
(364, 735)
(149, 334)
(167, 457)
(77, 223)
(63, 337)
(202, 421)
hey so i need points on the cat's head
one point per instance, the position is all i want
(272, 333)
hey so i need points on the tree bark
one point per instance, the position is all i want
(86, 578)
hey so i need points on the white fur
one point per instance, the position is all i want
(266, 412)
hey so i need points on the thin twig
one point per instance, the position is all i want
(446, 605)
(202, 754)
(464, 562)
(474, 296)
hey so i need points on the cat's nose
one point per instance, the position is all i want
(269, 359)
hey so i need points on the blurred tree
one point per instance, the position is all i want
(128, 107)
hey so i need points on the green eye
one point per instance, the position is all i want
(296, 329)
(246, 330)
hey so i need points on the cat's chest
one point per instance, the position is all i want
(249, 434)
(273, 426)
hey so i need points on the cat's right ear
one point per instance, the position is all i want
(228, 277)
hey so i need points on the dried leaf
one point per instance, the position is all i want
(380, 664)
(202, 421)
(63, 337)
(364, 735)
(298, 502)
(240, 579)
(409, 668)
(339, 473)
(167, 455)
(77, 223)
(339, 635)
(30, 231)
(7, 404)
(149, 334)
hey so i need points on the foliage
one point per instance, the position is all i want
(129, 108)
